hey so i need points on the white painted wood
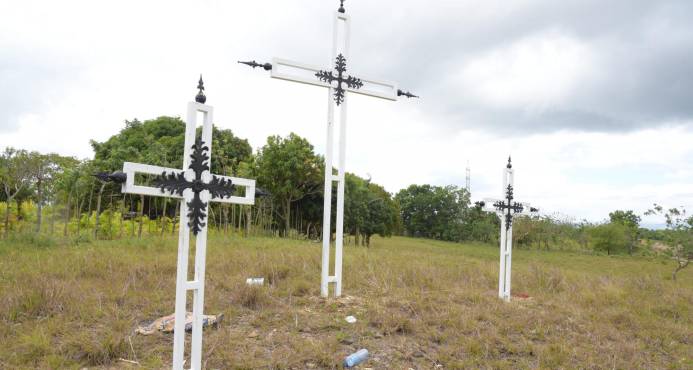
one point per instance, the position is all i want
(503, 259)
(196, 285)
(305, 73)
(327, 201)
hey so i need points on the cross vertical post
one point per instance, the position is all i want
(197, 187)
(338, 81)
(506, 209)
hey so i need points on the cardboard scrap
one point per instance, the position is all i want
(166, 324)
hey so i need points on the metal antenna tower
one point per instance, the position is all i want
(468, 183)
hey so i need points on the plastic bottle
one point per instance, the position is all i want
(356, 358)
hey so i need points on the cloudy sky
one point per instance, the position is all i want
(593, 99)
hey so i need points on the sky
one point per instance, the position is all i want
(592, 99)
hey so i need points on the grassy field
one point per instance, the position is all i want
(420, 304)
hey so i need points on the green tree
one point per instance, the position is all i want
(66, 186)
(433, 211)
(368, 210)
(356, 198)
(382, 215)
(43, 169)
(632, 223)
(15, 176)
(610, 237)
(480, 226)
(290, 171)
(161, 142)
(678, 235)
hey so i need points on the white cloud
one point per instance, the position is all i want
(534, 72)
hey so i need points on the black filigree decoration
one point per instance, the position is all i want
(329, 77)
(116, 177)
(508, 206)
(176, 183)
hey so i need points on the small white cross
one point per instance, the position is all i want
(506, 209)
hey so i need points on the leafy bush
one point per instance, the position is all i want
(611, 237)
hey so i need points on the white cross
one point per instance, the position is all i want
(193, 185)
(506, 209)
(338, 81)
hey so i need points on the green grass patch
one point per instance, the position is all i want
(419, 303)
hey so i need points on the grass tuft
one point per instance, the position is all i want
(419, 304)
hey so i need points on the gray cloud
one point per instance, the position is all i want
(643, 49)
(643, 52)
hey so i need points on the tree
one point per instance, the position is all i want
(66, 186)
(631, 221)
(679, 234)
(356, 199)
(368, 210)
(480, 225)
(433, 211)
(161, 142)
(610, 237)
(290, 171)
(15, 176)
(382, 216)
(43, 169)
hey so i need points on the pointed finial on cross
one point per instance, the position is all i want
(200, 97)
(254, 64)
(341, 6)
(510, 165)
(406, 93)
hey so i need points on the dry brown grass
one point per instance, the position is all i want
(420, 304)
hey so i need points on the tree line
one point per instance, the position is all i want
(291, 176)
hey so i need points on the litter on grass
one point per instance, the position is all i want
(255, 281)
(166, 324)
(350, 319)
(356, 358)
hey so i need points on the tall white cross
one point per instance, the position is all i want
(506, 209)
(196, 186)
(338, 83)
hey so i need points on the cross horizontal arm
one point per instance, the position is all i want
(488, 205)
(305, 73)
(130, 169)
(527, 209)
(248, 198)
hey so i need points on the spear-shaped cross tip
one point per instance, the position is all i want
(200, 97)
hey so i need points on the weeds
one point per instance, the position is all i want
(419, 304)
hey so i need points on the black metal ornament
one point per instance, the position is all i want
(509, 207)
(176, 183)
(116, 177)
(200, 97)
(329, 77)
(341, 7)
(254, 64)
(406, 93)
